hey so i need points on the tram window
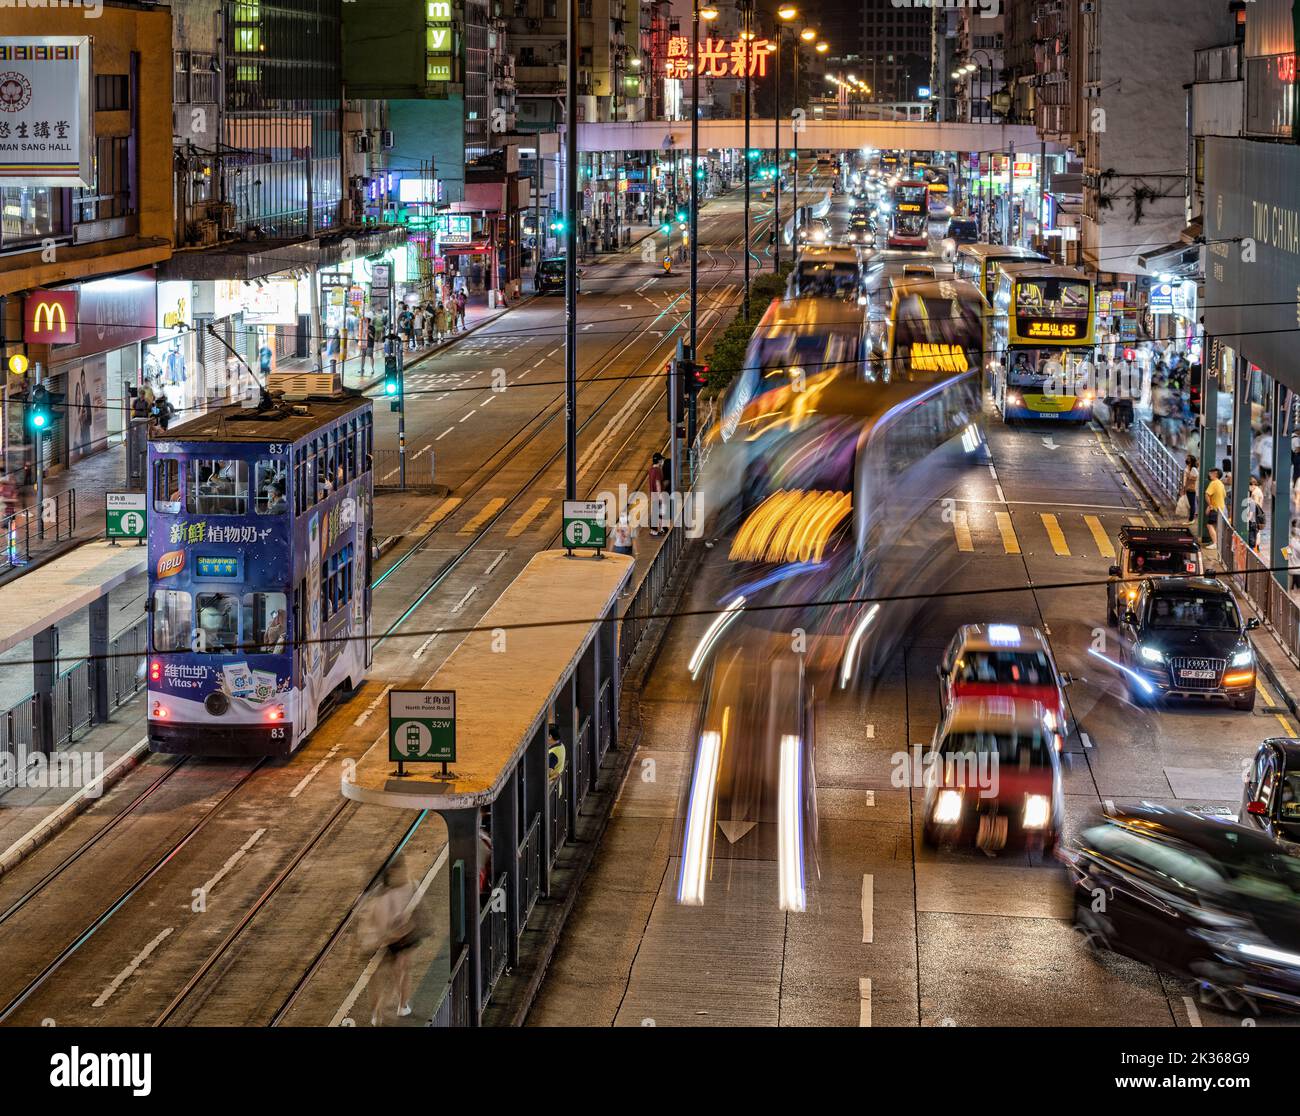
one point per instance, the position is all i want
(172, 621)
(220, 487)
(265, 626)
(269, 488)
(167, 486)
(219, 621)
(352, 449)
(323, 470)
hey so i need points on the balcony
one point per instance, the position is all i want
(1221, 63)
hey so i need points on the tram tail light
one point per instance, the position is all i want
(159, 711)
(155, 671)
(275, 714)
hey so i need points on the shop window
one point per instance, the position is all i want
(167, 486)
(218, 622)
(172, 620)
(31, 213)
(220, 487)
(265, 622)
(269, 487)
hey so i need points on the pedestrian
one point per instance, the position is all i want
(1255, 524)
(441, 321)
(655, 489)
(420, 317)
(1293, 554)
(1225, 471)
(556, 754)
(332, 347)
(430, 323)
(1191, 477)
(161, 412)
(406, 323)
(368, 352)
(1262, 452)
(622, 539)
(390, 919)
(1216, 504)
(460, 310)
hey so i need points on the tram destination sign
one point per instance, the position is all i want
(584, 524)
(422, 726)
(124, 515)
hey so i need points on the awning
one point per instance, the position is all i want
(1181, 259)
(249, 260)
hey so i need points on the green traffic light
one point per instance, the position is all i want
(38, 421)
(681, 216)
(390, 387)
(665, 228)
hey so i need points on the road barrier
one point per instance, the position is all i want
(1254, 580)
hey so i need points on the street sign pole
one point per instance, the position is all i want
(571, 257)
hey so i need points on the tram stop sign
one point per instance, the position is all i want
(422, 726)
(584, 524)
(124, 515)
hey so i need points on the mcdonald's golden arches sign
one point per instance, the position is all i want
(50, 318)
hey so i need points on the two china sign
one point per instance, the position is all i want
(50, 318)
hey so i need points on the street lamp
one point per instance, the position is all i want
(708, 13)
(747, 37)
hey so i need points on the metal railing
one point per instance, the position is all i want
(530, 869)
(604, 720)
(387, 467)
(73, 699)
(1162, 467)
(494, 934)
(454, 1010)
(25, 532)
(1252, 578)
(559, 816)
(636, 621)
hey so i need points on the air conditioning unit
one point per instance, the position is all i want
(386, 140)
(363, 143)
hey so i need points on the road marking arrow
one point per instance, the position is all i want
(1050, 442)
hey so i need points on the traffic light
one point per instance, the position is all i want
(681, 216)
(39, 419)
(753, 155)
(557, 225)
(696, 377)
(666, 229)
(392, 383)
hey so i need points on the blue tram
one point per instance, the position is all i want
(260, 535)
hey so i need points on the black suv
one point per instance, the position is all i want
(1184, 637)
(1149, 552)
(550, 276)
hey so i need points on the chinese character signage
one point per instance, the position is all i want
(45, 115)
(718, 58)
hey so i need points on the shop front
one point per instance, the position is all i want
(92, 376)
(1252, 257)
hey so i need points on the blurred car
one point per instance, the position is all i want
(1185, 637)
(550, 276)
(1144, 551)
(995, 779)
(919, 271)
(860, 232)
(1270, 798)
(815, 231)
(1005, 660)
(1194, 895)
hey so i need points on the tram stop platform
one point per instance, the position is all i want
(546, 653)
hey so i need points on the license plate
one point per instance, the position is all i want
(1197, 673)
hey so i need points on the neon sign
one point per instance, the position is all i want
(718, 58)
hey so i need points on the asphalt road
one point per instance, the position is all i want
(897, 934)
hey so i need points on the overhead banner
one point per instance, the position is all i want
(45, 113)
(1252, 251)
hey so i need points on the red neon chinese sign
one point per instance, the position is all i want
(718, 58)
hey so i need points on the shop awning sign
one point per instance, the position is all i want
(455, 228)
(45, 115)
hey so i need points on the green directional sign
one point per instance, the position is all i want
(584, 524)
(124, 515)
(422, 726)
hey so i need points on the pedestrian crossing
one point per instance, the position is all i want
(985, 529)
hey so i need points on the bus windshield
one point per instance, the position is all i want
(828, 280)
(1068, 371)
(909, 197)
(1053, 299)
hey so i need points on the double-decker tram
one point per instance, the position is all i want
(260, 531)
(1041, 341)
(909, 215)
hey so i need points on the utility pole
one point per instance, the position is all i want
(747, 36)
(571, 258)
(776, 120)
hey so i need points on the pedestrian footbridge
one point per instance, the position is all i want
(819, 135)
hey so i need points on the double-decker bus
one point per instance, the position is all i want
(978, 263)
(935, 329)
(1041, 341)
(260, 532)
(909, 215)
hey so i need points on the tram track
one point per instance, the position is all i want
(159, 861)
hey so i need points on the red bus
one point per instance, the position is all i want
(909, 216)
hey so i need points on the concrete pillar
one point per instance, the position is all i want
(566, 718)
(1209, 438)
(45, 652)
(1280, 515)
(463, 849)
(537, 800)
(505, 855)
(99, 663)
(586, 701)
(1241, 439)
